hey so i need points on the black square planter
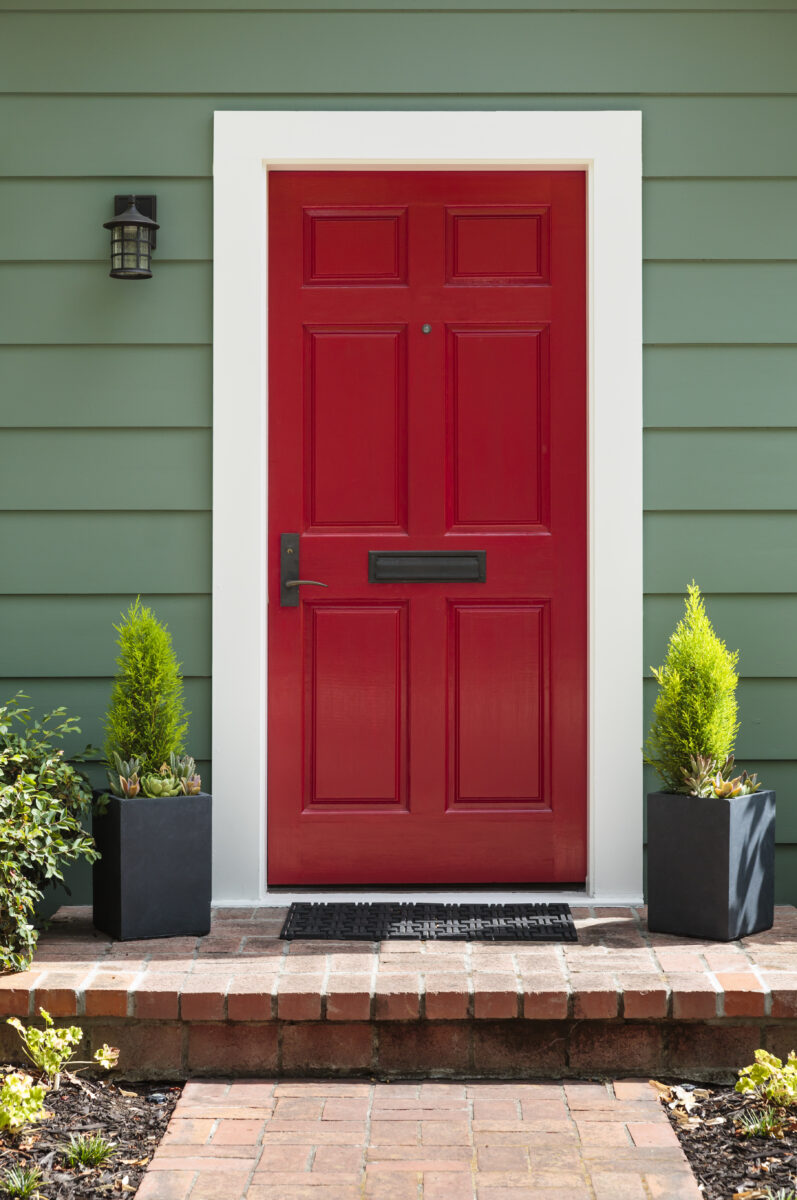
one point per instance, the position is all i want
(154, 876)
(711, 865)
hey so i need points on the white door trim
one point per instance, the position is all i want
(246, 146)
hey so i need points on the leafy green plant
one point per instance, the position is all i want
(21, 1101)
(765, 1122)
(21, 1182)
(695, 711)
(87, 1150)
(146, 719)
(51, 1049)
(705, 777)
(44, 800)
(770, 1078)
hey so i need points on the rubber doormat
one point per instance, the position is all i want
(422, 922)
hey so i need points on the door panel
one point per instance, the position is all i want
(427, 393)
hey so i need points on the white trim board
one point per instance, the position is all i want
(246, 146)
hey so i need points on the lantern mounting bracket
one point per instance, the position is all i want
(146, 205)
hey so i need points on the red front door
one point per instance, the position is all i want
(428, 447)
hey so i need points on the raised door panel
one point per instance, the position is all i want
(356, 701)
(497, 245)
(498, 417)
(356, 438)
(499, 710)
(355, 246)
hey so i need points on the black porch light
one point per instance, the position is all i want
(132, 236)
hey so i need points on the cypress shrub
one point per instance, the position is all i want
(696, 710)
(146, 718)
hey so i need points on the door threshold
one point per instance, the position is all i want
(276, 897)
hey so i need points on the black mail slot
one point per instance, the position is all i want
(427, 566)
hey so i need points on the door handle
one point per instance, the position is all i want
(289, 571)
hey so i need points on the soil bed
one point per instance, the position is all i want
(133, 1116)
(725, 1163)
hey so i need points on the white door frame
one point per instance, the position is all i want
(246, 146)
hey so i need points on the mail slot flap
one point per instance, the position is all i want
(427, 566)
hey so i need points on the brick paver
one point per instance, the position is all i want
(336, 1140)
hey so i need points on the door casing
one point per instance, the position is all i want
(247, 146)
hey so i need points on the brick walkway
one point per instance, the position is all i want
(335, 1140)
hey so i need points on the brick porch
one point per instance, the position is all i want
(242, 1002)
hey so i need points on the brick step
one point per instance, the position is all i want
(243, 1002)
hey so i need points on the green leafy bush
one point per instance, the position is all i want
(51, 1049)
(771, 1079)
(146, 719)
(695, 712)
(43, 801)
(21, 1101)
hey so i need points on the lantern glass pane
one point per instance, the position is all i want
(130, 230)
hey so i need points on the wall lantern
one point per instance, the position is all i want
(132, 236)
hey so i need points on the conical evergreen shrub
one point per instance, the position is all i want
(146, 717)
(696, 710)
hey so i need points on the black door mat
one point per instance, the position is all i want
(422, 922)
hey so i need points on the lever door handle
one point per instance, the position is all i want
(289, 571)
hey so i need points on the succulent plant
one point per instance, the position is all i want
(124, 779)
(704, 777)
(183, 768)
(162, 783)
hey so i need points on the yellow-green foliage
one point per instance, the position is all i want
(771, 1079)
(146, 718)
(21, 1101)
(695, 711)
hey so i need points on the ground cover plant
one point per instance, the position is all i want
(44, 801)
(67, 1137)
(741, 1141)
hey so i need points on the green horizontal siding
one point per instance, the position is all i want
(92, 553)
(387, 5)
(767, 709)
(740, 469)
(88, 699)
(99, 468)
(105, 386)
(763, 628)
(79, 302)
(78, 135)
(61, 637)
(725, 552)
(30, 233)
(726, 386)
(105, 389)
(779, 777)
(604, 52)
(683, 219)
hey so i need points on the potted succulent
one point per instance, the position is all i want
(711, 832)
(153, 830)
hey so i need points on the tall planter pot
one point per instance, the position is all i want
(153, 877)
(711, 865)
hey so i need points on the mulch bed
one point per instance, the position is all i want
(132, 1115)
(726, 1164)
